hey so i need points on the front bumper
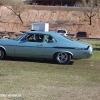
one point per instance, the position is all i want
(90, 51)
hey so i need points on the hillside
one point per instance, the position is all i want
(72, 21)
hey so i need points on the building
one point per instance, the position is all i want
(56, 2)
(53, 2)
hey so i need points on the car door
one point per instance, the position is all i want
(48, 46)
(25, 48)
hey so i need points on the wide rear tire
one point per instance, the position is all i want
(62, 57)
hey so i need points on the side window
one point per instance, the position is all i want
(39, 38)
(33, 38)
(30, 37)
(49, 39)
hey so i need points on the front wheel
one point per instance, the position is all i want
(2, 54)
(62, 57)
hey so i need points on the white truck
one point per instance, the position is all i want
(40, 27)
(28, 1)
(63, 32)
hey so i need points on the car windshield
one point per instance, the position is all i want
(20, 37)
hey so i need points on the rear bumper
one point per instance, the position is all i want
(90, 55)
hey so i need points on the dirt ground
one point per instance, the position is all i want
(72, 21)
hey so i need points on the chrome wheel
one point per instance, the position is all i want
(62, 57)
(2, 54)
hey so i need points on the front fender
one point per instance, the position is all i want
(2, 47)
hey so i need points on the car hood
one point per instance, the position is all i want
(6, 41)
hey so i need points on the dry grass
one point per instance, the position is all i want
(43, 80)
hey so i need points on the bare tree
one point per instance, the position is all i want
(90, 8)
(16, 6)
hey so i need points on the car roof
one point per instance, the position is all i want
(54, 34)
(40, 32)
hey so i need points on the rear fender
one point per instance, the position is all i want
(66, 52)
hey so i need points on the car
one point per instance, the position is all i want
(66, 5)
(48, 45)
(82, 35)
(57, 4)
(63, 32)
(28, 1)
(76, 5)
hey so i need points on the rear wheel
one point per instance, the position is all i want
(62, 57)
(2, 53)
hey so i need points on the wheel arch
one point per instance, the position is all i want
(1, 47)
(63, 51)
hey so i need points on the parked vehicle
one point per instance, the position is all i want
(45, 45)
(82, 35)
(28, 1)
(66, 5)
(63, 32)
(40, 27)
(76, 5)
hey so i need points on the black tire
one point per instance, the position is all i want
(62, 57)
(2, 54)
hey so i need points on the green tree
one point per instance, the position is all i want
(16, 6)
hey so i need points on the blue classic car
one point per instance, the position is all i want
(45, 45)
